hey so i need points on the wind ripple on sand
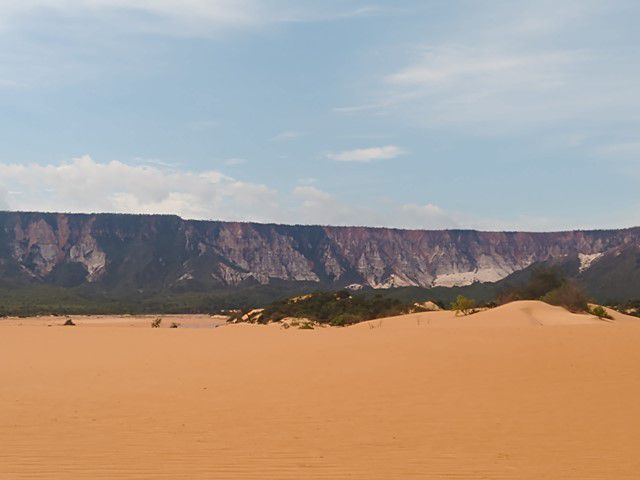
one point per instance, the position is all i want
(465, 400)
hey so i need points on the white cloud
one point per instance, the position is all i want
(311, 196)
(359, 108)
(367, 154)
(514, 66)
(62, 42)
(307, 181)
(318, 206)
(623, 150)
(4, 202)
(210, 12)
(547, 16)
(155, 162)
(453, 65)
(84, 185)
(491, 86)
(185, 17)
(232, 162)
(286, 136)
(204, 125)
(426, 216)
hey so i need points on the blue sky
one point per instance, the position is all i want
(418, 114)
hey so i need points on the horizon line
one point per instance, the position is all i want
(252, 222)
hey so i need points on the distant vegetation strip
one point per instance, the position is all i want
(339, 308)
(344, 308)
(548, 283)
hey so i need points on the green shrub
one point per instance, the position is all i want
(334, 308)
(542, 281)
(600, 312)
(463, 305)
(344, 319)
(569, 296)
(343, 294)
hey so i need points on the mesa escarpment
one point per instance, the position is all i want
(159, 251)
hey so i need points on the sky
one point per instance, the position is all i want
(423, 114)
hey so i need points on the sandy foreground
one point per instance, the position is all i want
(525, 391)
(138, 321)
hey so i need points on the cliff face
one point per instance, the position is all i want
(151, 251)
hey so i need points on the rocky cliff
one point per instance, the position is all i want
(155, 251)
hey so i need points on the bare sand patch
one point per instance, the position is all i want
(400, 399)
(137, 321)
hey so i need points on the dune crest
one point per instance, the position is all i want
(520, 313)
(532, 312)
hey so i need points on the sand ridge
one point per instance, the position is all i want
(393, 399)
(514, 314)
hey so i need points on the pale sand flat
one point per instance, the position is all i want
(139, 321)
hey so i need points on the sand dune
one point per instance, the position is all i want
(515, 314)
(421, 396)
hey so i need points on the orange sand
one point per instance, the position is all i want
(520, 392)
(184, 321)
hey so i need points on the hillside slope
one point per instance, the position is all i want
(143, 252)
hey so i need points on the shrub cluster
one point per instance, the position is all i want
(333, 308)
(600, 312)
(631, 307)
(463, 305)
(548, 285)
(569, 296)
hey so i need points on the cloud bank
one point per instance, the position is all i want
(84, 185)
(186, 17)
(515, 67)
(212, 12)
(367, 154)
